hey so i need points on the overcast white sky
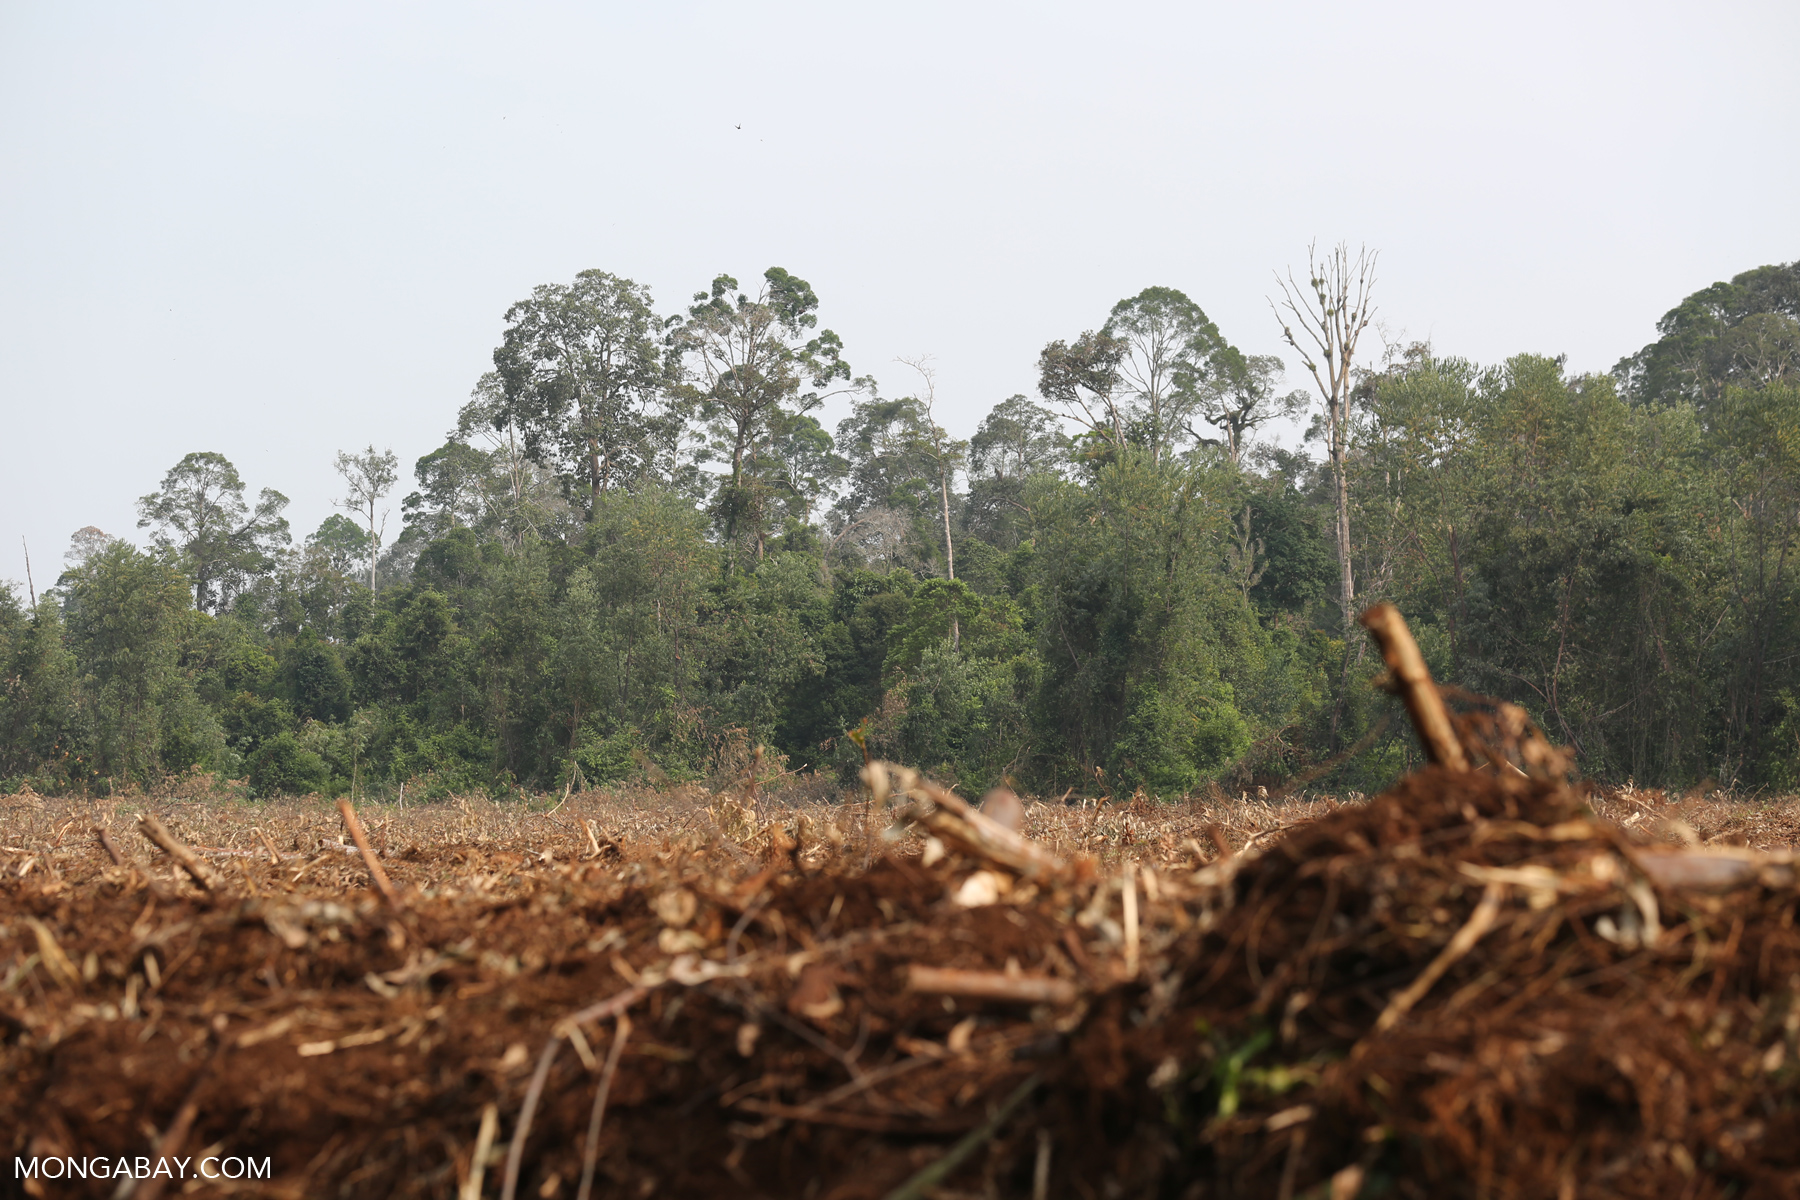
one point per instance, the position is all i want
(281, 230)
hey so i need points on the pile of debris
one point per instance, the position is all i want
(1468, 986)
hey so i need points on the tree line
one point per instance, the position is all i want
(639, 554)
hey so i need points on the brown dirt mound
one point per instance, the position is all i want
(1467, 987)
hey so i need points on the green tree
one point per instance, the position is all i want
(945, 455)
(368, 477)
(1755, 450)
(626, 657)
(583, 379)
(1015, 441)
(340, 543)
(760, 645)
(39, 722)
(127, 614)
(1168, 343)
(282, 766)
(1139, 380)
(854, 637)
(1139, 624)
(453, 485)
(1236, 394)
(901, 467)
(801, 463)
(200, 512)
(748, 360)
(1589, 600)
(1744, 333)
(521, 499)
(314, 680)
(1082, 379)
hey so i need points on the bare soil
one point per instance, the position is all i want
(1221, 1004)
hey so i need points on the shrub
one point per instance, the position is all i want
(283, 766)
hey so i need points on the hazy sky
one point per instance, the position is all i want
(281, 230)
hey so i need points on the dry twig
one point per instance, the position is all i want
(989, 985)
(956, 820)
(590, 1153)
(1413, 681)
(1479, 922)
(362, 844)
(198, 871)
(515, 1153)
(111, 847)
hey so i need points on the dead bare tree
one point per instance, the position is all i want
(946, 454)
(1331, 312)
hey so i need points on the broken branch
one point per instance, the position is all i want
(989, 985)
(198, 871)
(1412, 680)
(362, 844)
(111, 847)
(956, 820)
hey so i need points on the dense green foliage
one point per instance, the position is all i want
(642, 556)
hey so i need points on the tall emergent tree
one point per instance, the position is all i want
(369, 476)
(750, 359)
(1167, 343)
(1082, 379)
(582, 375)
(1016, 440)
(945, 454)
(1140, 379)
(453, 480)
(200, 512)
(1237, 397)
(1331, 319)
(1745, 333)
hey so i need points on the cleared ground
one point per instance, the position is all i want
(1212, 999)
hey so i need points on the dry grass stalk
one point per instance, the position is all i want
(274, 854)
(612, 1006)
(1128, 887)
(926, 1181)
(50, 953)
(484, 1142)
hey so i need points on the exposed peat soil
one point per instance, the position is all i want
(1475, 984)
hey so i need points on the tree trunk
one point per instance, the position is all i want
(949, 551)
(596, 482)
(1346, 583)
